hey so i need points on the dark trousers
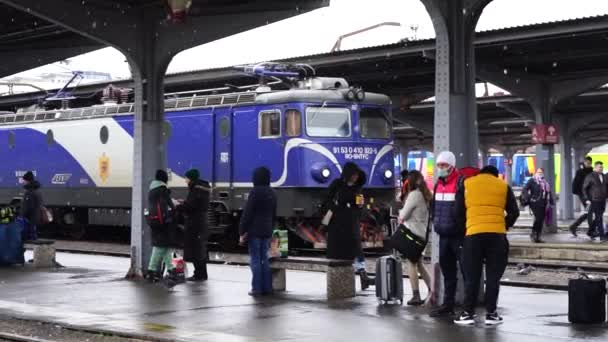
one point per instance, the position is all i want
(449, 257)
(200, 270)
(539, 211)
(581, 218)
(596, 218)
(493, 250)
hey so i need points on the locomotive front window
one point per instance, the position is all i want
(373, 123)
(293, 123)
(328, 122)
(270, 124)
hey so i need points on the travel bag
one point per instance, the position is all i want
(587, 300)
(389, 280)
(11, 244)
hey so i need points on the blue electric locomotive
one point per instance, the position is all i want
(83, 156)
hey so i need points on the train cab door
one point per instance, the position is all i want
(223, 148)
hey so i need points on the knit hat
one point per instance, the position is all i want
(28, 176)
(446, 157)
(193, 175)
(161, 175)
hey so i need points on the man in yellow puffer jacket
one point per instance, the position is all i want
(483, 202)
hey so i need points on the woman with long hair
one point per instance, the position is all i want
(415, 216)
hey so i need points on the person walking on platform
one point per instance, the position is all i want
(345, 201)
(577, 189)
(195, 238)
(449, 228)
(160, 220)
(595, 192)
(414, 216)
(31, 207)
(257, 222)
(483, 201)
(537, 194)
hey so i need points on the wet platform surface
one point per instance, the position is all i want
(91, 293)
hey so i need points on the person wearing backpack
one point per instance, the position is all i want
(160, 220)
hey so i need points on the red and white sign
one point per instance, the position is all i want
(545, 134)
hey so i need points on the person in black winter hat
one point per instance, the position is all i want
(31, 206)
(196, 227)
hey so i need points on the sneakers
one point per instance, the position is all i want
(493, 319)
(442, 311)
(466, 318)
(469, 319)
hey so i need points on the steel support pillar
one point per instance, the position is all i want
(566, 203)
(545, 156)
(455, 119)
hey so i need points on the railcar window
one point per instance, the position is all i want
(270, 124)
(373, 123)
(328, 122)
(293, 123)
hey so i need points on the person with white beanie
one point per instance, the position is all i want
(449, 228)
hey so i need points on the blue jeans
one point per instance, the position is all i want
(260, 265)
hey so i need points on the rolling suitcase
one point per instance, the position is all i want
(389, 280)
(587, 300)
(11, 244)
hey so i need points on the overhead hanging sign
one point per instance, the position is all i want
(545, 134)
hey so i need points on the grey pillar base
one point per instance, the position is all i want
(279, 279)
(340, 282)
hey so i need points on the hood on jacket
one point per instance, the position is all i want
(157, 184)
(349, 170)
(261, 177)
(34, 185)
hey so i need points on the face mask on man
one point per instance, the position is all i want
(540, 175)
(442, 173)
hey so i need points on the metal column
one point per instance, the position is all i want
(566, 203)
(455, 120)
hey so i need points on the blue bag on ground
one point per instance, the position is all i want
(11, 244)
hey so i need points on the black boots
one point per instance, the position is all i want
(200, 272)
(366, 281)
(152, 276)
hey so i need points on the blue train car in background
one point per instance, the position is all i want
(303, 133)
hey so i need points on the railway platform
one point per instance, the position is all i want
(90, 294)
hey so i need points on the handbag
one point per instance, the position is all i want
(409, 244)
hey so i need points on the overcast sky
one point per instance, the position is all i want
(317, 31)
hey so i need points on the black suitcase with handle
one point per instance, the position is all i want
(587, 300)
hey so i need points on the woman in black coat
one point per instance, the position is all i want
(343, 231)
(196, 231)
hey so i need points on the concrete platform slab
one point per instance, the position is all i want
(91, 294)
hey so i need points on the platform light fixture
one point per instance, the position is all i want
(178, 9)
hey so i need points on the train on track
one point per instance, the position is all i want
(304, 132)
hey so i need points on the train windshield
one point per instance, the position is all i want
(374, 124)
(328, 122)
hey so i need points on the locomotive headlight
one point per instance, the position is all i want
(325, 173)
(320, 172)
(388, 174)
